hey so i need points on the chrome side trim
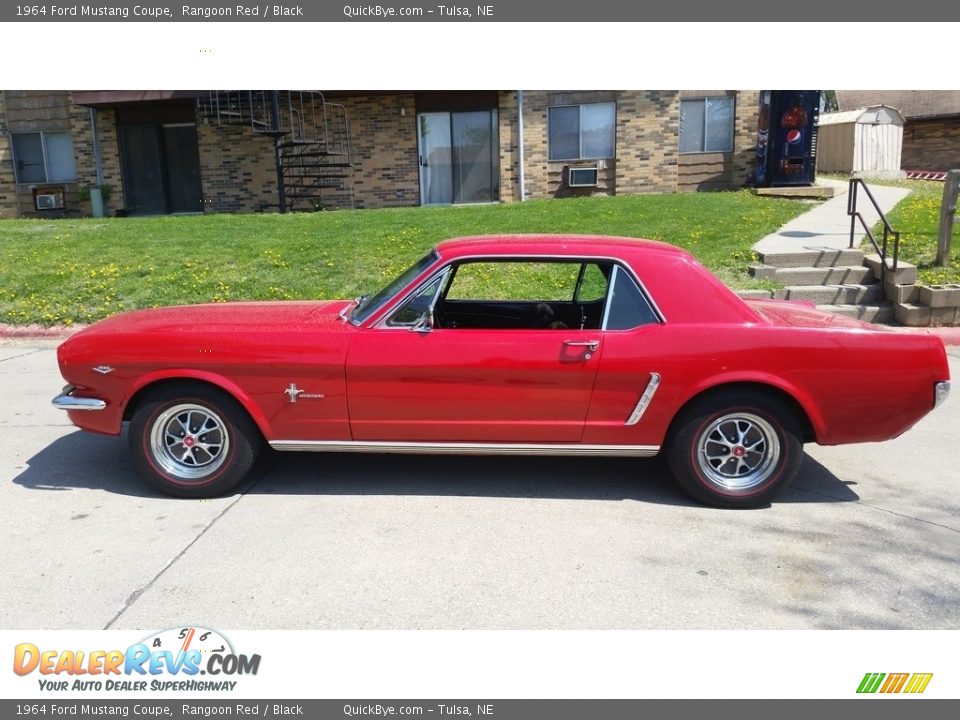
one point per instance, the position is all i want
(940, 392)
(66, 401)
(645, 399)
(456, 448)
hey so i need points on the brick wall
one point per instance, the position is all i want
(648, 128)
(82, 130)
(647, 125)
(931, 144)
(509, 155)
(8, 185)
(385, 170)
(238, 169)
(745, 136)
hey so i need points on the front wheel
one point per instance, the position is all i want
(192, 441)
(736, 449)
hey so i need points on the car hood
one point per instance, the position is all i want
(804, 314)
(211, 319)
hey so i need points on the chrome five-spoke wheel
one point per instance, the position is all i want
(736, 447)
(189, 441)
(738, 451)
(192, 440)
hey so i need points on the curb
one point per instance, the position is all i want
(38, 332)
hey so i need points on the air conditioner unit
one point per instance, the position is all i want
(48, 199)
(582, 177)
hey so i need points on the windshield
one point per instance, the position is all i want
(368, 306)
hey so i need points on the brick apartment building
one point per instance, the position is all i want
(160, 152)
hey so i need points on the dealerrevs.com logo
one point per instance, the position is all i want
(910, 683)
(171, 660)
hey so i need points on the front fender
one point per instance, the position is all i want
(211, 378)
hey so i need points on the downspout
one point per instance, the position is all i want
(523, 193)
(97, 160)
(96, 193)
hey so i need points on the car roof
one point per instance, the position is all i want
(559, 245)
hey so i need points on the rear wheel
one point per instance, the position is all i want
(192, 441)
(736, 449)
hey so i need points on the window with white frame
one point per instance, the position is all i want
(43, 157)
(582, 132)
(706, 124)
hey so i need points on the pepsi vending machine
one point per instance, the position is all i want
(787, 137)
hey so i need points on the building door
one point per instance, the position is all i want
(161, 168)
(459, 157)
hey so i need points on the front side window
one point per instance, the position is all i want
(44, 157)
(580, 132)
(534, 294)
(706, 125)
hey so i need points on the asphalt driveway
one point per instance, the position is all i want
(866, 538)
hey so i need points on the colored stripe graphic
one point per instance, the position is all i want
(894, 683)
(870, 682)
(918, 683)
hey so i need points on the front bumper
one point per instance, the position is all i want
(66, 401)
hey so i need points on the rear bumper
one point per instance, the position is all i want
(940, 392)
(66, 401)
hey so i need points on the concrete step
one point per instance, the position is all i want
(867, 313)
(905, 274)
(841, 275)
(827, 257)
(849, 294)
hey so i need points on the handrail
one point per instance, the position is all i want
(852, 198)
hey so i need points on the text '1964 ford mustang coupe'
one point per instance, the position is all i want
(533, 345)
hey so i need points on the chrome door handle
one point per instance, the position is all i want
(592, 345)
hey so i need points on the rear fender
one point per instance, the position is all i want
(803, 398)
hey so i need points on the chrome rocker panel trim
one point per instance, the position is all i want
(66, 401)
(459, 448)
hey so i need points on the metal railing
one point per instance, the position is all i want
(888, 231)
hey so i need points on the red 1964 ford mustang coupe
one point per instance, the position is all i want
(534, 345)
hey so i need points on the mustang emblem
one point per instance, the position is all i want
(293, 392)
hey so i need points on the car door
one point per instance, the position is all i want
(629, 405)
(520, 381)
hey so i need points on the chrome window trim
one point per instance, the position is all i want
(609, 300)
(463, 448)
(618, 263)
(645, 399)
(385, 324)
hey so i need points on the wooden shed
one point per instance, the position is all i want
(867, 141)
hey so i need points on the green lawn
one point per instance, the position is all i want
(76, 271)
(917, 217)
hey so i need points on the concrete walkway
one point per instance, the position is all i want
(827, 225)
